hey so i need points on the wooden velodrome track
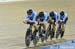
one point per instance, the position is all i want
(12, 30)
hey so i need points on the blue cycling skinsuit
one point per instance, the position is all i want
(56, 17)
(64, 18)
(44, 18)
(31, 18)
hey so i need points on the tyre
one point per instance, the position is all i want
(62, 34)
(35, 40)
(47, 34)
(42, 39)
(57, 34)
(41, 35)
(28, 38)
(52, 34)
(27, 41)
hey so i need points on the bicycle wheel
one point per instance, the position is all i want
(27, 38)
(35, 39)
(42, 35)
(62, 34)
(47, 34)
(57, 33)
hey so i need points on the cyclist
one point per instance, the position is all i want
(63, 19)
(31, 19)
(42, 18)
(53, 19)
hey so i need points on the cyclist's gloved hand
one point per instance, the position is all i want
(60, 21)
(31, 21)
(55, 23)
(40, 22)
(36, 22)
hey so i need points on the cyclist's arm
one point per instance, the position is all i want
(45, 17)
(45, 20)
(48, 18)
(27, 19)
(34, 17)
(56, 20)
(64, 17)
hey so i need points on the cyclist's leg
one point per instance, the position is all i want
(44, 28)
(35, 29)
(63, 29)
(54, 25)
(54, 29)
(63, 24)
(57, 31)
(35, 26)
(49, 27)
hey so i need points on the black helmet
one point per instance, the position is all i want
(41, 14)
(52, 14)
(29, 12)
(61, 13)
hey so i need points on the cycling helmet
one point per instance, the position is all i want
(52, 14)
(41, 14)
(62, 13)
(29, 12)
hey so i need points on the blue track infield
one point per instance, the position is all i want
(67, 45)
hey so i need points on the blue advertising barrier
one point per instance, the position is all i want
(67, 45)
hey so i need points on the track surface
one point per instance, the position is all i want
(12, 30)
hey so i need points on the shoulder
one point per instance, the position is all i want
(45, 13)
(34, 12)
(55, 13)
(66, 14)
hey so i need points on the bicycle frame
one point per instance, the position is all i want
(40, 27)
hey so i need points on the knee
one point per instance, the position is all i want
(44, 27)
